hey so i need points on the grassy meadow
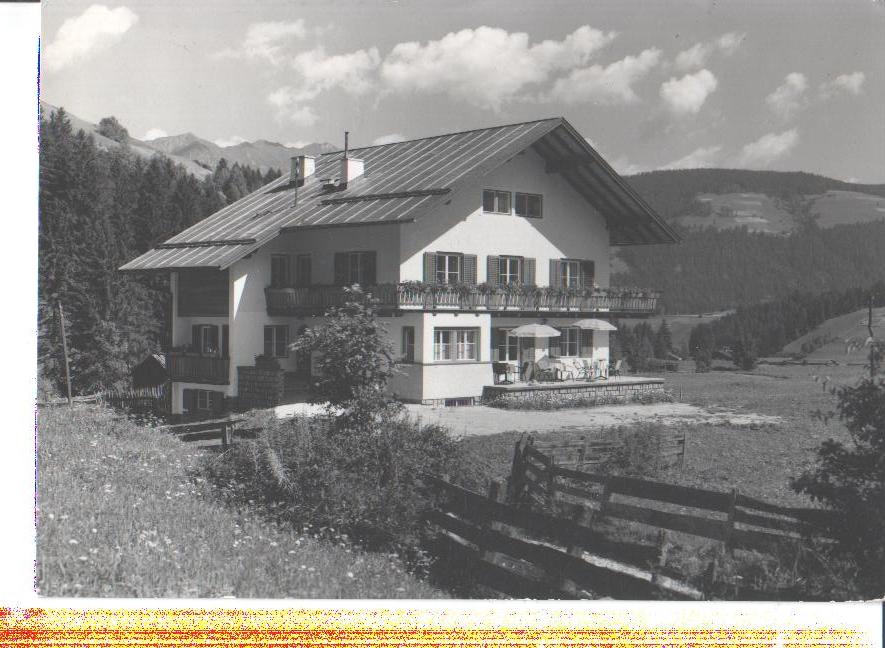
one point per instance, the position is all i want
(124, 511)
(757, 459)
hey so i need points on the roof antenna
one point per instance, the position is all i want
(346, 133)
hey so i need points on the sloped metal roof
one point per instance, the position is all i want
(401, 182)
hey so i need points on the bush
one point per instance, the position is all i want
(322, 473)
(639, 453)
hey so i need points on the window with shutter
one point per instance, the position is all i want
(570, 273)
(448, 268)
(204, 339)
(568, 341)
(188, 400)
(430, 267)
(586, 343)
(509, 270)
(276, 341)
(495, 202)
(528, 205)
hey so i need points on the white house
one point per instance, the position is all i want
(461, 237)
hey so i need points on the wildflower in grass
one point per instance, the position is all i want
(72, 541)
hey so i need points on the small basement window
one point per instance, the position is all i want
(495, 202)
(528, 205)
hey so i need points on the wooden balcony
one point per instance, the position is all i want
(458, 298)
(196, 368)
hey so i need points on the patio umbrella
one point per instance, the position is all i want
(595, 325)
(535, 331)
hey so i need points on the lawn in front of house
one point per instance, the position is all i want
(123, 511)
(751, 431)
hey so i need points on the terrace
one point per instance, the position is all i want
(460, 297)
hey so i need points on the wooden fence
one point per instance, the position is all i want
(144, 399)
(558, 532)
(214, 433)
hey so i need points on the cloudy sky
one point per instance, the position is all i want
(783, 85)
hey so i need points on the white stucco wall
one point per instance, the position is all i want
(570, 227)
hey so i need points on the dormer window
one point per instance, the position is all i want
(495, 202)
(528, 205)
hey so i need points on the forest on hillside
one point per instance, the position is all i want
(673, 193)
(713, 270)
(99, 209)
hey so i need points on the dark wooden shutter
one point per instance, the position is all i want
(195, 338)
(468, 269)
(492, 265)
(216, 402)
(225, 343)
(555, 273)
(528, 272)
(587, 274)
(188, 400)
(430, 267)
(368, 271)
(341, 268)
(586, 343)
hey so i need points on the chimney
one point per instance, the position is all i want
(350, 167)
(302, 168)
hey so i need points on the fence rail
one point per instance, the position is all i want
(552, 534)
(217, 432)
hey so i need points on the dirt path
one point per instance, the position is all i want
(480, 420)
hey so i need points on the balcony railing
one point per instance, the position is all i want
(193, 367)
(416, 296)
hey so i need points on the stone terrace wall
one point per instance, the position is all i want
(602, 392)
(260, 387)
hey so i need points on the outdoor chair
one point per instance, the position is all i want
(614, 369)
(504, 369)
(582, 369)
(546, 371)
(528, 371)
(601, 369)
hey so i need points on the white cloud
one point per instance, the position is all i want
(316, 72)
(703, 157)
(266, 41)
(486, 66)
(693, 57)
(391, 138)
(154, 133)
(80, 37)
(696, 56)
(624, 167)
(288, 107)
(768, 148)
(230, 141)
(729, 43)
(612, 84)
(296, 144)
(688, 94)
(789, 97)
(850, 83)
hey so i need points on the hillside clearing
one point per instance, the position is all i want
(123, 511)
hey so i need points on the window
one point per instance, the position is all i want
(571, 274)
(508, 346)
(528, 205)
(408, 349)
(279, 270)
(495, 202)
(355, 268)
(302, 270)
(276, 341)
(203, 400)
(204, 339)
(454, 344)
(448, 268)
(569, 342)
(509, 270)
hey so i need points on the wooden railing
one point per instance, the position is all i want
(292, 301)
(192, 367)
(216, 432)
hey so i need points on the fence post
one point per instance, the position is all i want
(493, 493)
(64, 347)
(729, 531)
(551, 483)
(579, 516)
(516, 480)
(663, 547)
(684, 448)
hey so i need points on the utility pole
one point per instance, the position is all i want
(64, 347)
(873, 366)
